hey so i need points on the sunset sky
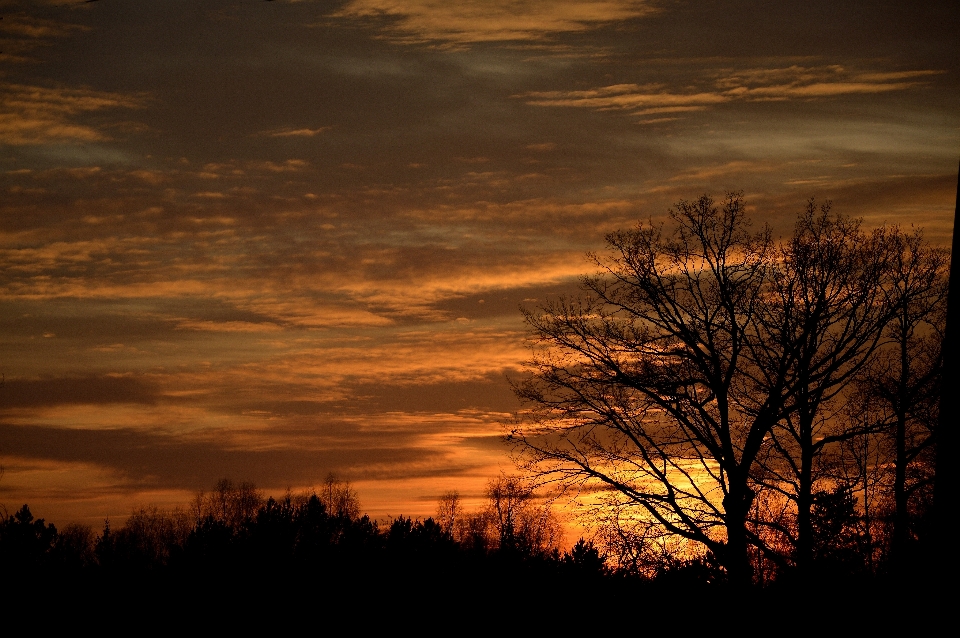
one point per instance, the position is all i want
(273, 240)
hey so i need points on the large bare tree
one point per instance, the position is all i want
(704, 362)
(645, 384)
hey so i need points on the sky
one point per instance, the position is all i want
(274, 240)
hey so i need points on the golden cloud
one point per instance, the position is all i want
(447, 352)
(38, 115)
(296, 132)
(792, 82)
(623, 97)
(492, 20)
(227, 326)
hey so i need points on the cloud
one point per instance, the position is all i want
(296, 132)
(227, 326)
(161, 460)
(23, 25)
(925, 200)
(284, 292)
(95, 390)
(21, 33)
(787, 83)
(288, 166)
(38, 115)
(417, 286)
(444, 354)
(622, 96)
(739, 168)
(445, 396)
(491, 20)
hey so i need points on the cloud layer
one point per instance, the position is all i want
(273, 240)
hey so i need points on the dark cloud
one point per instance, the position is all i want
(39, 393)
(491, 394)
(158, 461)
(505, 302)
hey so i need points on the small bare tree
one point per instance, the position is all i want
(450, 514)
(339, 497)
(229, 503)
(519, 521)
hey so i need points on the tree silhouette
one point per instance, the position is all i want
(706, 364)
(945, 493)
(450, 515)
(230, 504)
(25, 542)
(339, 497)
(644, 384)
(824, 319)
(73, 549)
(900, 388)
(520, 523)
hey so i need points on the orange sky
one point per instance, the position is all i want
(269, 241)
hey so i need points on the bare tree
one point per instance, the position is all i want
(450, 514)
(705, 364)
(519, 521)
(901, 386)
(645, 383)
(339, 497)
(514, 518)
(944, 492)
(639, 547)
(232, 504)
(74, 546)
(150, 534)
(824, 318)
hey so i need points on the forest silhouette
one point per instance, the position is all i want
(738, 413)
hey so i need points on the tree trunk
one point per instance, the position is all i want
(804, 548)
(944, 488)
(737, 505)
(901, 519)
(805, 540)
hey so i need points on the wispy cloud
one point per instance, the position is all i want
(22, 25)
(296, 132)
(21, 33)
(790, 83)
(40, 115)
(227, 326)
(492, 20)
(632, 97)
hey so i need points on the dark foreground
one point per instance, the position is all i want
(293, 563)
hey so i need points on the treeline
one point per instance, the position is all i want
(237, 559)
(234, 531)
(234, 534)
